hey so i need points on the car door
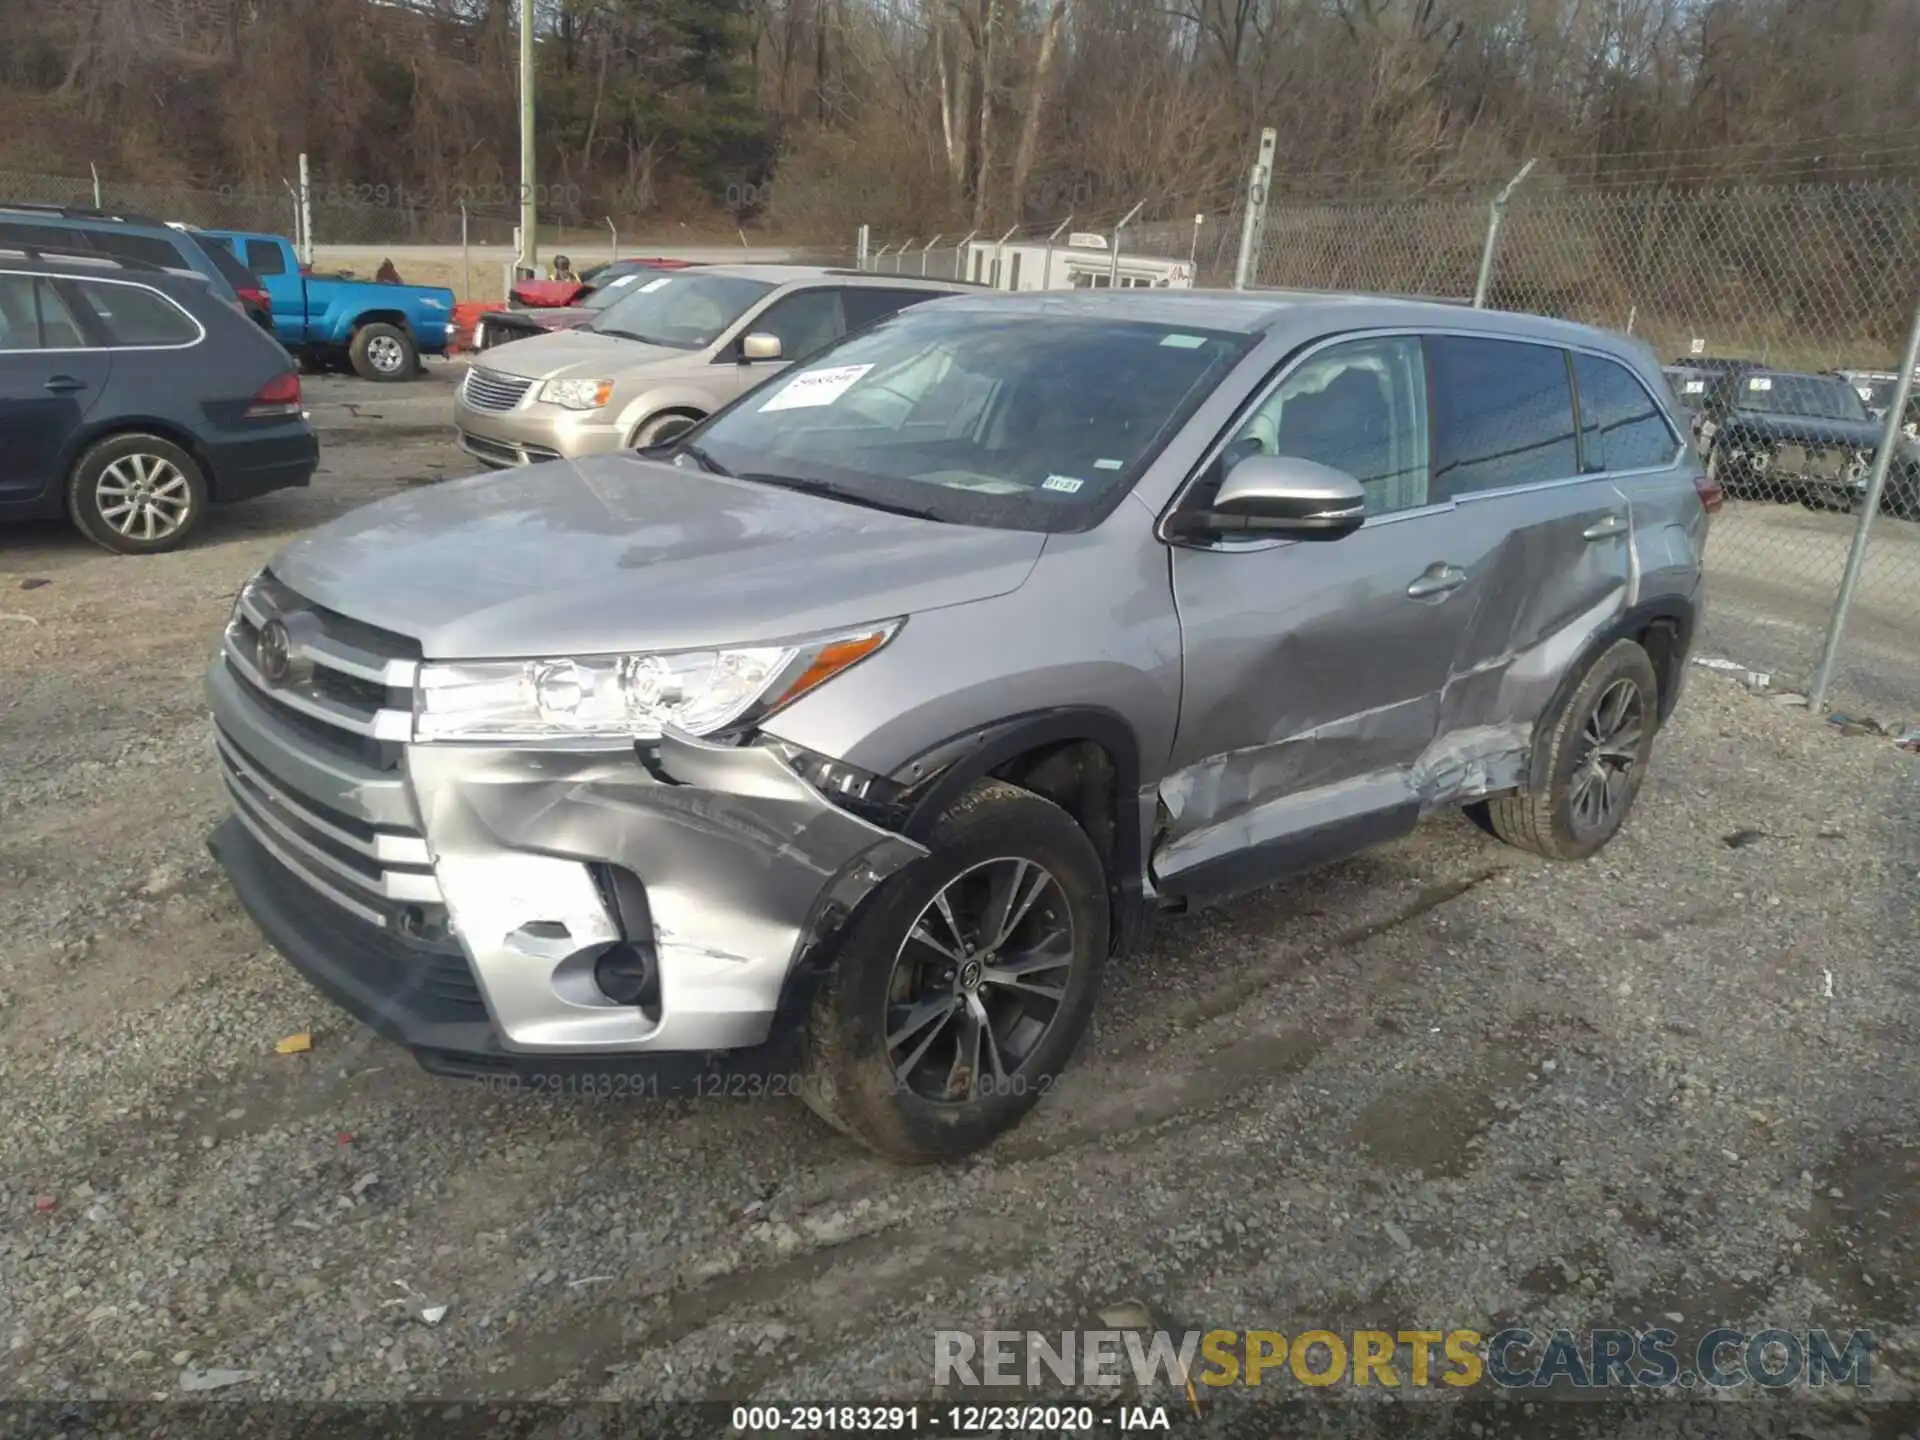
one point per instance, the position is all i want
(803, 320)
(1556, 541)
(1314, 671)
(50, 378)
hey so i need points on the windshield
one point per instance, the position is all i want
(1022, 422)
(1808, 397)
(614, 282)
(685, 312)
(1689, 388)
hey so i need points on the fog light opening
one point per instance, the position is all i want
(627, 975)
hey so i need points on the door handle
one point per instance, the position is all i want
(1437, 581)
(65, 384)
(1601, 529)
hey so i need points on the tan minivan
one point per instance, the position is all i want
(665, 355)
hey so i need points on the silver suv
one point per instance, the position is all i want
(669, 350)
(840, 742)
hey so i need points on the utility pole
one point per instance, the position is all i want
(529, 216)
(1253, 221)
(306, 211)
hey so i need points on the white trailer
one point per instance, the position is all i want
(1083, 262)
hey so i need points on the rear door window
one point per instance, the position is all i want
(132, 316)
(1621, 427)
(19, 328)
(865, 306)
(265, 258)
(1502, 414)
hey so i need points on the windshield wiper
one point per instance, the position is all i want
(828, 490)
(704, 460)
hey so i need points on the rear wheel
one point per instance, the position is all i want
(1594, 761)
(965, 982)
(383, 352)
(137, 494)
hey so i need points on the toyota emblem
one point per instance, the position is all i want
(274, 651)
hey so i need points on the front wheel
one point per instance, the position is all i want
(1596, 753)
(661, 429)
(964, 984)
(383, 352)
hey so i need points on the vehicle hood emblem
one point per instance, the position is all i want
(274, 652)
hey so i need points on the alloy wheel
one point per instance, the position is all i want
(1610, 743)
(978, 981)
(143, 497)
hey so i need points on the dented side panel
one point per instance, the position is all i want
(1320, 692)
(740, 861)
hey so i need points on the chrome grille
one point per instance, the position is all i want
(374, 874)
(490, 390)
(345, 684)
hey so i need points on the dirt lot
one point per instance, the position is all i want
(1439, 1085)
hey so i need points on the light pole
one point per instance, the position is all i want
(529, 217)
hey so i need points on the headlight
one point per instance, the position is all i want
(629, 697)
(577, 394)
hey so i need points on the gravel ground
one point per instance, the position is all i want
(1439, 1085)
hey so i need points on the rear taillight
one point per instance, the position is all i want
(256, 297)
(1709, 491)
(279, 396)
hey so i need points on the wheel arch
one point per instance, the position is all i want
(1086, 759)
(121, 426)
(1662, 626)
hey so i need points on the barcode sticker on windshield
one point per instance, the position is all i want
(1695, 387)
(619, 280)
(1109, 464)
(1760, 382)
(1065, 484)
(1184, 342)
(656, 284)
(820, 387)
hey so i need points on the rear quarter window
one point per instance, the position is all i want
(134, 316)
(1621, 425)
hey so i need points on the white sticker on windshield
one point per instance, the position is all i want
(653, 285)
(1695, 387)
(1065, 484)
(1760, 382)
(819, 387)
(619, 280)
(1184, 342)
(1109, 464)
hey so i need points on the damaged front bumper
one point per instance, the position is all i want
(711, 871)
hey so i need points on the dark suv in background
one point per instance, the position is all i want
(126, 237)
(132, 397)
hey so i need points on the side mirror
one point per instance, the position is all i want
(759, 346)
(1282, 496)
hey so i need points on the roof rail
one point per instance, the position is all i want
(903, 275)
(77, 212)
(58, 254)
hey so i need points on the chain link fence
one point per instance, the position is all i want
(1755, 299)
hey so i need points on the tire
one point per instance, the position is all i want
(662, 428)
(163, 485)
(849, 1074)
(1543, 818)
(383, 352)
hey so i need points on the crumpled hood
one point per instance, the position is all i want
(575, 354)
(1807, 429)
(616, 553)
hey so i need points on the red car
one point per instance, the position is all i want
(552, 294)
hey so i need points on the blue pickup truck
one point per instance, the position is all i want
(382, 330)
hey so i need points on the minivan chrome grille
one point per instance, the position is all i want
(345, 684)
(490, 390)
